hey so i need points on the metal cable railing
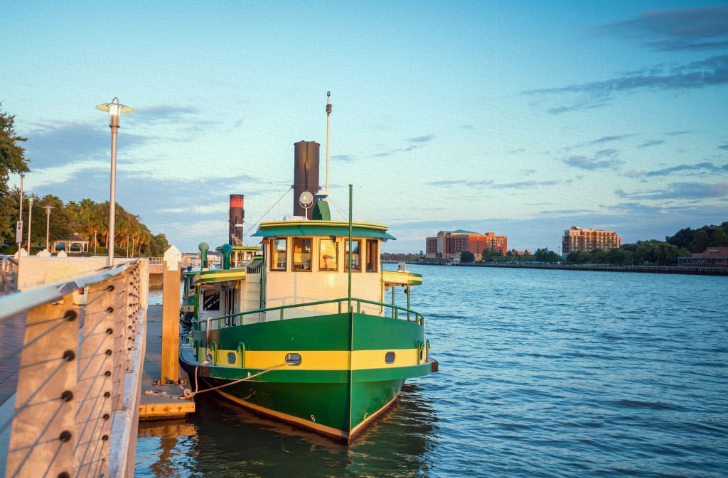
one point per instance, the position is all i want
(78, 343)
(225, 321)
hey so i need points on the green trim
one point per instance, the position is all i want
(322, 228)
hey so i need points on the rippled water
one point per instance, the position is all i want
(542, 373)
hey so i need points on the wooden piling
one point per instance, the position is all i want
(170, 316)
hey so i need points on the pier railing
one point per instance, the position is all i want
(76, 404)
(394, 311)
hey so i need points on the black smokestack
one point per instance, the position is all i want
(305, 174)
(237, 215)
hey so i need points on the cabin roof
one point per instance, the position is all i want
(220, 275)
(322, 228)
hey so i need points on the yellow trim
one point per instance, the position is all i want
(326, 430)
(322, 359)
(371, 359)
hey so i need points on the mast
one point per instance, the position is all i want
(328, 133)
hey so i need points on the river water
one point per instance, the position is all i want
(542, 373)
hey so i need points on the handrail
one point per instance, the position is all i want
(75, 407)
(14, 304)
(395, 308)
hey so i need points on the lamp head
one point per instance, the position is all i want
(115, 109)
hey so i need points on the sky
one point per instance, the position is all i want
(520, 118)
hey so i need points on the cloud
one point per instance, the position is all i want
(66, 143)
(525, 184)
(454, 182)
(578, 106)
(342, 157)
(603, 159)
(700, 167)
(466, 126)
(680, 191)
(421, 139)
(605, 139)
(677, 133)
(651, 143)
(697, 74)
(725, 146)
(528, 172)
(515, 151)
(156, 114)
(396, 150)
(492, 185)
(701, 28)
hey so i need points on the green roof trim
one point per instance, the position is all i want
(322, 228)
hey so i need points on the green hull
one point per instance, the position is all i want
(344, 387)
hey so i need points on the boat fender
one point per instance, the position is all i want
(427, 347)
(420, 350)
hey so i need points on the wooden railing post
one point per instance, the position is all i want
(120, 339)
(43, 430)
(95, 369)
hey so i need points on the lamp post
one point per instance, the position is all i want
(30, 219)
(48, 224)
(19, 226)
(127, 247)
(95, 231)
(115, 109)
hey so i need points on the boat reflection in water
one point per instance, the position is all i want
(225, 440)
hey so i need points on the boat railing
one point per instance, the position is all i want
(74, 412)
(356, 306)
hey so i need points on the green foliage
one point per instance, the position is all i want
(12, 154)
(544, 255)
(492, 256)
(467, 256)
(699, 239)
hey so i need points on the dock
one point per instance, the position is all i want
(160, 401)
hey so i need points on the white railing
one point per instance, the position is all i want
(76, 402)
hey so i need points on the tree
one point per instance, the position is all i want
(467, 256)
(700, 241)
(718, 238)
(12, 160)
(12, 154)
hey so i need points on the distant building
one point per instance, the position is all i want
(449, 244)
(712, 256)
(586, 240)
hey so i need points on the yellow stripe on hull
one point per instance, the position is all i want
(322, 359)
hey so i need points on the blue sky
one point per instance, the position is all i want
(522, 118)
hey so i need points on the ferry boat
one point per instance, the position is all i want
(307, 331)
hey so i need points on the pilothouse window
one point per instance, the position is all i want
(355, 256)
(278, 255)
(328, 255)
(372, 256)
(301, 254)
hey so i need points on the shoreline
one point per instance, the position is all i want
(685, 270)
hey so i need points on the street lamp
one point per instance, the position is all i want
(30, 219)
(19, 225)
(48, 223)
(95, 231)
(115, 109)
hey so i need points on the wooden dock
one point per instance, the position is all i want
(155, 406)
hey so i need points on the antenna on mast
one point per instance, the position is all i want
(328, 133)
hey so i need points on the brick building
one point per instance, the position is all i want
(586, 240)
(449, 244)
